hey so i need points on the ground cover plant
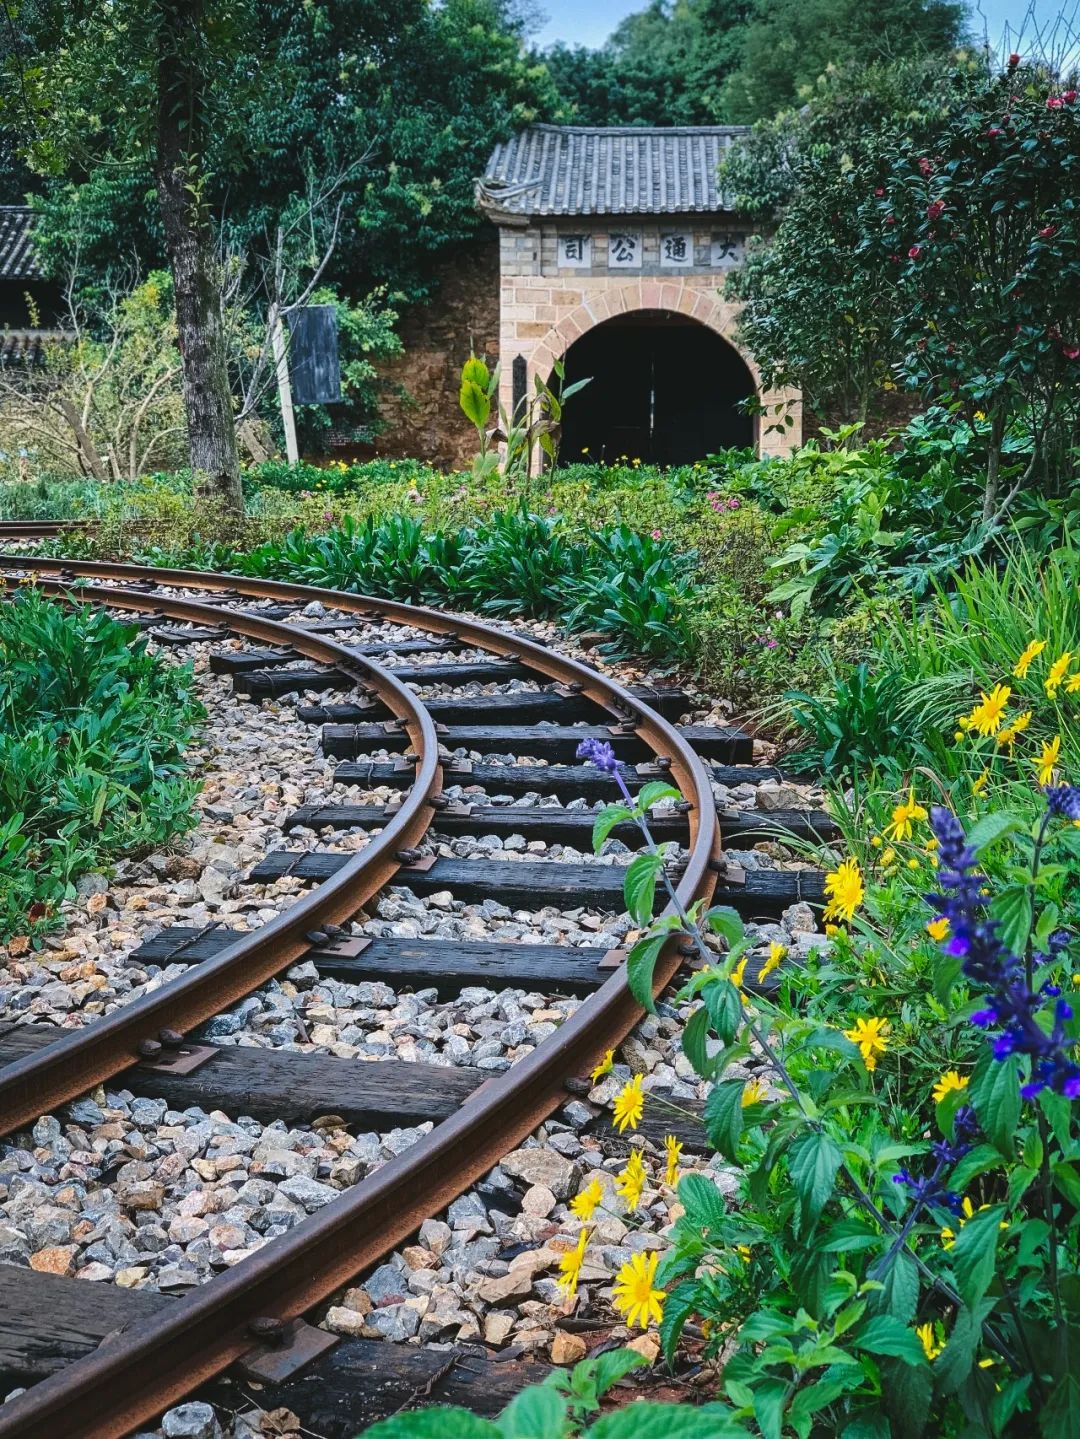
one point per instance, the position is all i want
(92, 734)
(901, 1257)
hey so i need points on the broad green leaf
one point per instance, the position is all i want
(953, 1364)
(640, 965)
(724, 1116)
(974, 1253)
(1067, 1182)
(885, 1335)
(770, 1400)
(725, 1008)
(666, 1421)
(476, 372)
(991, 827)
(848, 1236)
(899, 1292)
(726, 922)
(1013, 909)
(995, 1094)
(536, 1413)
(693, 1042)
(1060, 1416)
(980, 1161)
(907, 1389)
(639, 885)
(681, 1302)
(704, 1204)
(434, 1424)
(616, 1364)
(813, 1162)
(474, 403)
(655, 791)
(871, 1424)
(605, 822)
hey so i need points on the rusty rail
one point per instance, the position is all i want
(156, 1363)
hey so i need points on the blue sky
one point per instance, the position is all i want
(589, 22)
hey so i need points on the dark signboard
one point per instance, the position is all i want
(314, 368)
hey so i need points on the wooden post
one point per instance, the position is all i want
(281, 366)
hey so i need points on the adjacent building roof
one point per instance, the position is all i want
(17, 258)
(594, 170)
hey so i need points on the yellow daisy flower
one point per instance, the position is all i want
(606, 1065)
(932, 1346)
(630, 1184)
(937, 928)
(584, 1205)
(738, 974)
(870, 1036)
(986, 717)
(634, 1296)
(1046, 763)
(1053, 680)
(980, 784)
(629, 1104)
(1023, 664)
(1008, 736)
(906, 813)
(570, 1266)
(754, 1092)
(674, 1154)
(777, 955)
(1072, 684)
(951, 1081)
(844, 886)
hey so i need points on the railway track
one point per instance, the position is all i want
(391, 735)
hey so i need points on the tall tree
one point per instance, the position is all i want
(179, 167)
(122, 86)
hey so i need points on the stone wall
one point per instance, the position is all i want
(420, 408)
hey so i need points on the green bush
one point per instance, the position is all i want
(92, 735)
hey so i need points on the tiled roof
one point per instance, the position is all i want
(578, 170)
(17, 258)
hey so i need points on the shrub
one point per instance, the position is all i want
(92, 734)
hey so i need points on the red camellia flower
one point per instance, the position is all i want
(1014, 60)
(890, 219)
(1071, 352)
(1047, 232)
(993, 132)
(879, 192)
(914, 252)
(925, 166)
(1055, 102)
(934, 210)
(1069, 96)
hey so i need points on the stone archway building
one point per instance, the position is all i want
(596, 224)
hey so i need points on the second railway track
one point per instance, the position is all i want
(390, 738)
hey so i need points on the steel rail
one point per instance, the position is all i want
(82, 1058)
(154, 1364)
(37, 529)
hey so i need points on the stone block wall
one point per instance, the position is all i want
(546, 304)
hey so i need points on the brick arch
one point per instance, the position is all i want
(694, 303)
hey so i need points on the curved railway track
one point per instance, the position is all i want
(247, 1310)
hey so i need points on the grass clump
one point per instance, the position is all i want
(93, 730)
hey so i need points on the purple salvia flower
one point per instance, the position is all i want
(599, 753)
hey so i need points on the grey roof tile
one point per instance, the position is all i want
(579, 170)
(17, 258)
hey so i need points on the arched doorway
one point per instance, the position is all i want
(663, 388)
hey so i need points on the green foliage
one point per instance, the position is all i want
(92, 734)
(406, 99)
(562, 1407)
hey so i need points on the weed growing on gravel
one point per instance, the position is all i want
(92, 734)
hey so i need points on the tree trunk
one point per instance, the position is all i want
(190, 243)
(993, 464)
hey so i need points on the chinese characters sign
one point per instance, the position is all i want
(624, 250)
(676, 251)
(727, 250)
(575, 251)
